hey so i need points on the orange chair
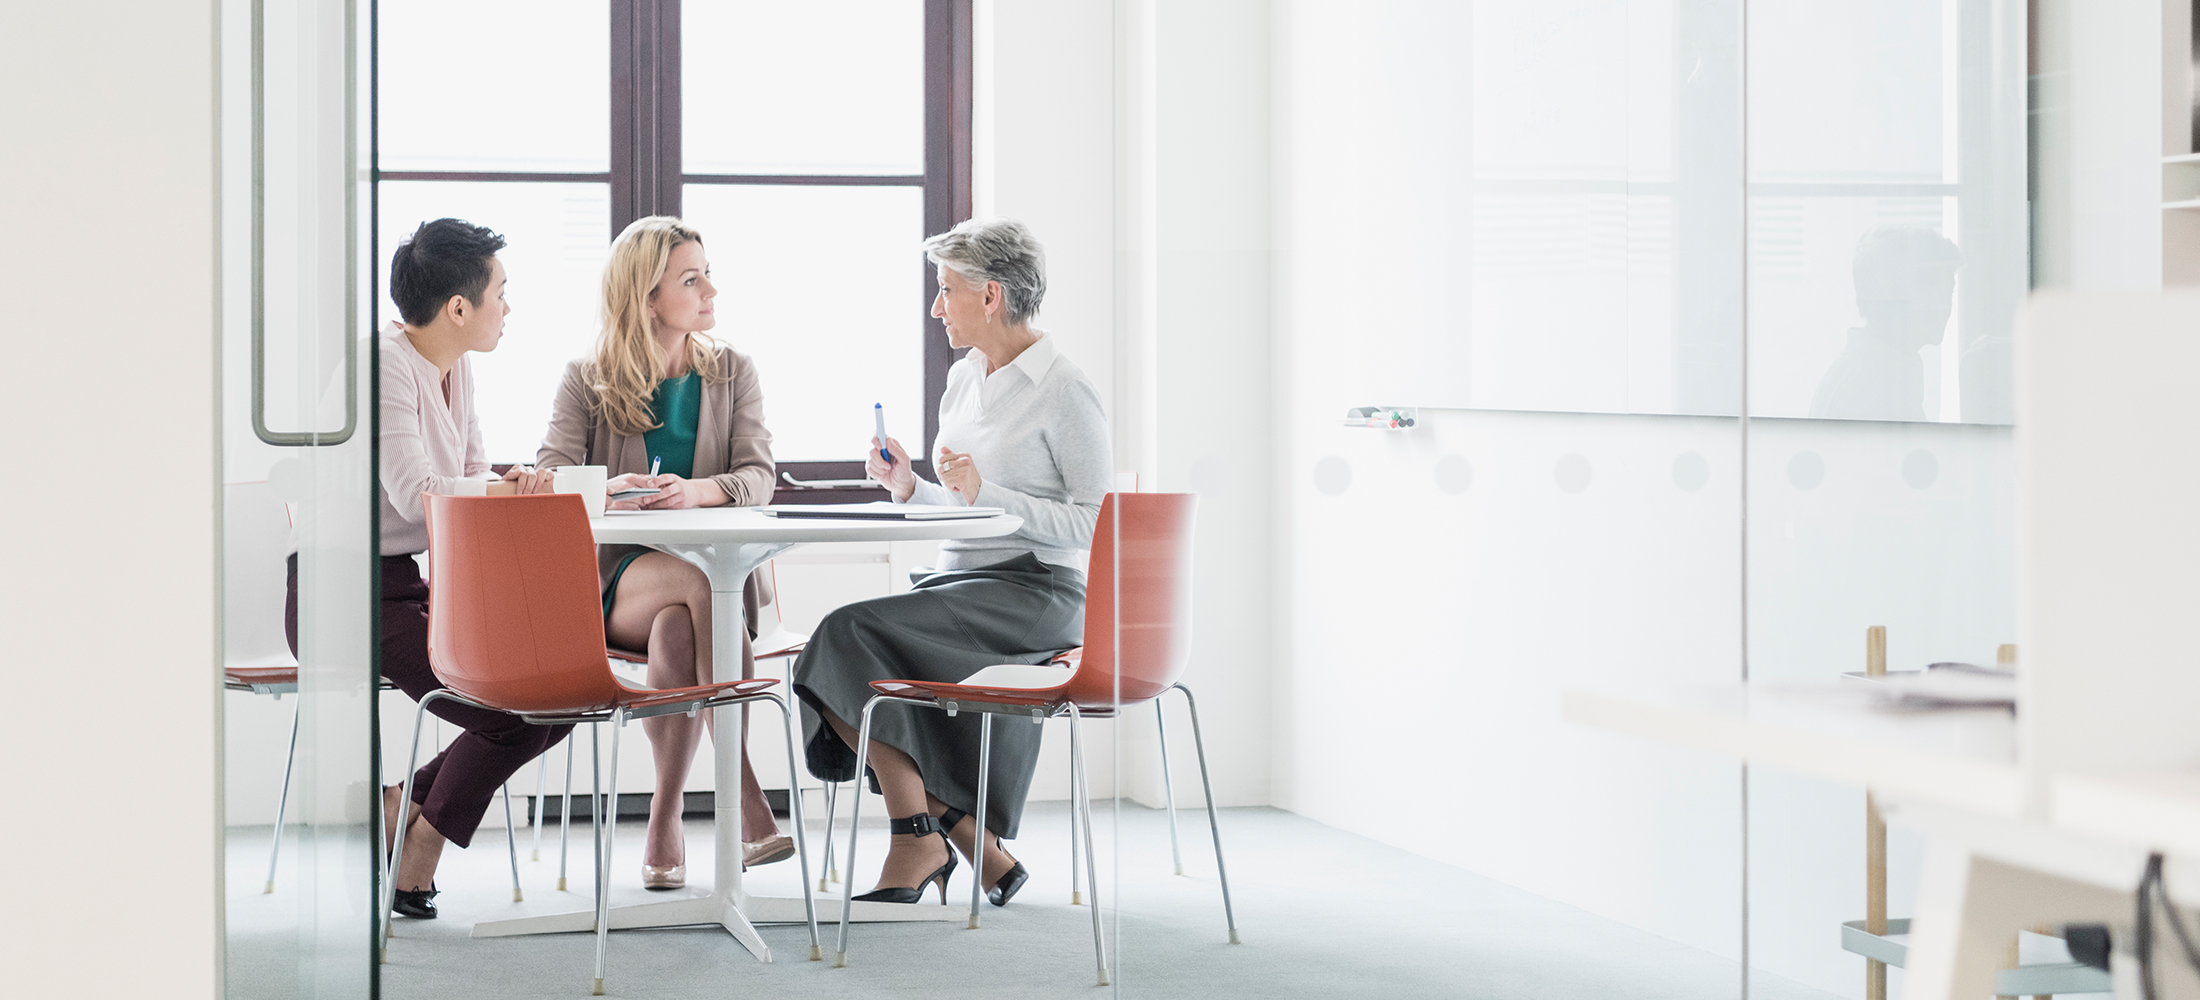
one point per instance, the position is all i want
(1138, 593)
(257, 660)
(515, 624)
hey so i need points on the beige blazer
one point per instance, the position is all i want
(732, 448)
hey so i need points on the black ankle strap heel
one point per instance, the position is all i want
(1011, 880)
(920, 825)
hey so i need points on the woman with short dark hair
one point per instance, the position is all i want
(448, 286)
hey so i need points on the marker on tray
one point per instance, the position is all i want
(878, 415)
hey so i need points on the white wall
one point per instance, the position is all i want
(1051, 87)
(108, 195)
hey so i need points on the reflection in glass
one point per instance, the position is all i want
(557, 238)
(775, 88)
(486, 85)
(1905, 290)
(824, 288)
(1885, 150)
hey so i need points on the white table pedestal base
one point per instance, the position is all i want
(689, 911)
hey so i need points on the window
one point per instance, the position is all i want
(813, 147)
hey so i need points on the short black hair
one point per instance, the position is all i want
(440, 259)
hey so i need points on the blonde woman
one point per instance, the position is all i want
(660, 395)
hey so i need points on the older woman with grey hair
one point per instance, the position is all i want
(1021, 429)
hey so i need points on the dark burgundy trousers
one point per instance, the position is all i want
(453, 790)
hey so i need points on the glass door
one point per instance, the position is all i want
(298, 498)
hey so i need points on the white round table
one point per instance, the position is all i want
(727, 544)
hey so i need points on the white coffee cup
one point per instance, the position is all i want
(586, 480)
(465, 487)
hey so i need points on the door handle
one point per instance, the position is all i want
(286, 439)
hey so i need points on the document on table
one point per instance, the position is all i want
(880, 510)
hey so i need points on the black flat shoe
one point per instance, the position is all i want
(418, 904)
(920, 825)
(1004, 889)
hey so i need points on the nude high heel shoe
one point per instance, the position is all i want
(658, 877)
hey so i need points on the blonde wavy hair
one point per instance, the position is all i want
(628, 360)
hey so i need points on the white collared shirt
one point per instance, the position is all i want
(1038, 436)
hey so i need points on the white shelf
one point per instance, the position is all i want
(1965, 759)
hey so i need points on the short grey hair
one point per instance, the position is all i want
(996, 250)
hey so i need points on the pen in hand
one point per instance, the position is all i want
(654, 462)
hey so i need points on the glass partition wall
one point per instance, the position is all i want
(1887, 257)
(1706, 308)
(297, 459)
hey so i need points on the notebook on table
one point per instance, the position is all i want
(879, 510)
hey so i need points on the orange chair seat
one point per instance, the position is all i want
(261, 675)
(936, 691)
(1051, 696)
(637, 698)
(1037, 697)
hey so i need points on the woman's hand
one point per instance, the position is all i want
(630, 481)
(680, 494)
(525, 479)
(959, 472)
(898, 478)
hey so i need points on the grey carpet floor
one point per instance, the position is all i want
(1322, 913)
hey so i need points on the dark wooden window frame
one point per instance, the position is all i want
(646, 176)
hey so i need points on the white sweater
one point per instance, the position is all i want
(1039, 439)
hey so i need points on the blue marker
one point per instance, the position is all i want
(878, 414)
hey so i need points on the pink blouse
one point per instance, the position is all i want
(427, 442)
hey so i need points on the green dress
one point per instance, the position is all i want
(678, 406)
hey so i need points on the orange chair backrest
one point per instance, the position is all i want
(515, 614)
(1142, 548)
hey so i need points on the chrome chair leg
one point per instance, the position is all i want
(282, 799)
(1076, 895)
(609, 826)
(801, 833)
(542, 779)
(977, 853)
(1168, 784)
(1213, 824)
(829, 873)
(404, 810)
(855, 827)
(1083, 806)
(511, 841)
(595, 799)
(565, 807)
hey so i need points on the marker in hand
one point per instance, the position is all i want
(654, 462)
(878, 415)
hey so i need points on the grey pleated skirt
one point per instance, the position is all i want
(949, 626)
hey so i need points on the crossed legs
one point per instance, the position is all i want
(663, 607)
